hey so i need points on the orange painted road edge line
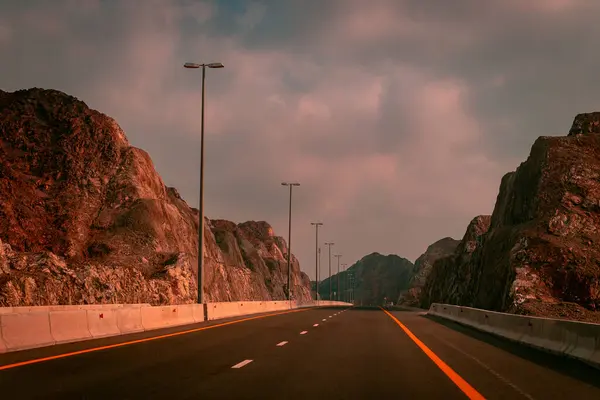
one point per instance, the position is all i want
(454, 377)
(112, 346)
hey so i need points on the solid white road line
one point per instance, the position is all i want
(242, 364)
(281, 344)
(303, 332)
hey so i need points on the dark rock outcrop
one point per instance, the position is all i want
(540, 255)
(85, 218)
(423, 266)
(376, 278)
(453, 278)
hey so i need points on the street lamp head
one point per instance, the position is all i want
(215, 65)
(191, 65)
(209, 65)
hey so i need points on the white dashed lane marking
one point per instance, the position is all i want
(242, 364)
(324, 320)
(303, 332)
(316, 325)
(281, 344)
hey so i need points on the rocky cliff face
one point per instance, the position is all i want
(85, 218)
(423, 266)
(453, 278)
(376, 277)
(540, 255)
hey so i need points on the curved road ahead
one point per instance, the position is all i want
(335, 353)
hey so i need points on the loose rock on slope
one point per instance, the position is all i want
(85, 218)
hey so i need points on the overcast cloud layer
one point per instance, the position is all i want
(397, 117)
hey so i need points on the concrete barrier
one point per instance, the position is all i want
(28, 327)
(3, 348)
(197, 312)
(222, 310)
(579, 340)
(158, 317)
(102, 323)
(69, 326)
(185, 313)
(129, 320)
(25, 330)
(166, 316)
(28, 309)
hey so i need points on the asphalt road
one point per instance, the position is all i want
(351, 354)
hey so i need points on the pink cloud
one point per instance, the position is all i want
(5, 33)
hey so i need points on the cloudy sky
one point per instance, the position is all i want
(398, 118)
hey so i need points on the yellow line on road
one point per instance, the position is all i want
(112, 346)
(450, 373)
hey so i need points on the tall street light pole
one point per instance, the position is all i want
(319, 272)
(289, 257)
(345, 283)
(316, 225)
(201, 200)
(338, 277)
(329, 244)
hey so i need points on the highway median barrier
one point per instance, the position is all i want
(129, 319)
(69, 326)
(102, 323)
(24, 328)
(579, 340)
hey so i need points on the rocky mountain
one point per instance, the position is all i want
(375, 276)
(85, 218)
(540, 254)
(423, 266)
(452, 277)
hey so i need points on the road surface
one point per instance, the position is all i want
(334, 353)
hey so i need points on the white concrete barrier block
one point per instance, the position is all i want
(21, 331)
(129, 319)
(69, 326)
(102, 323)
(198, 312)
(223, 310)
(3, 348)
(185, 314)
(158, 317)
